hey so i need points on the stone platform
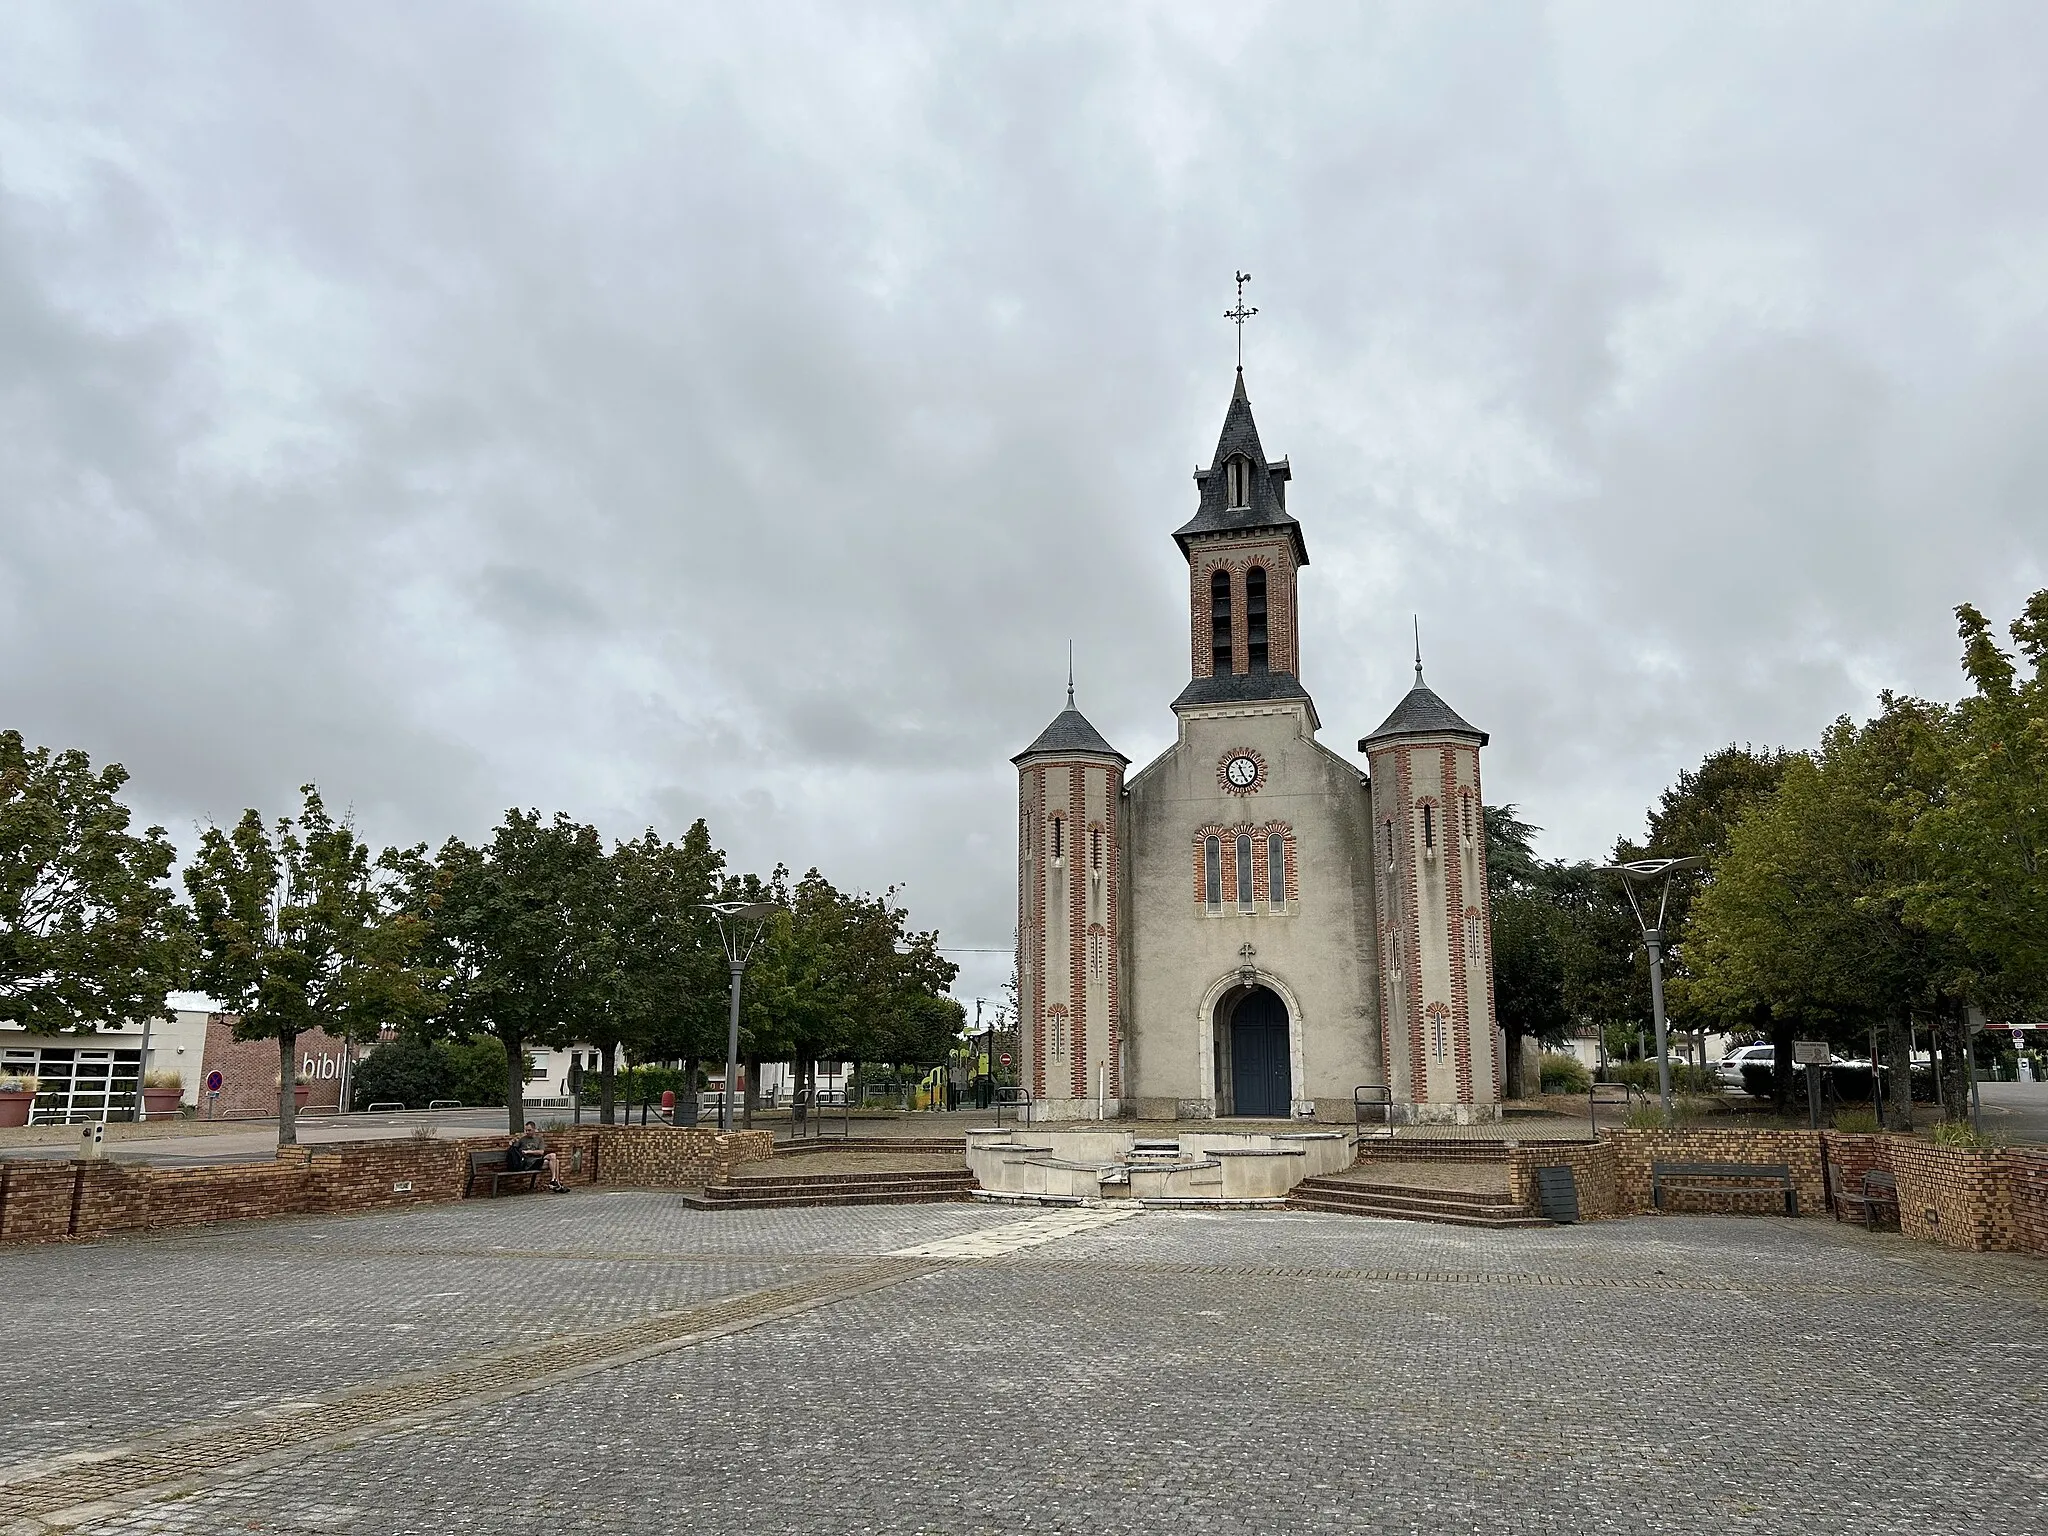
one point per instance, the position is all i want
(1061, 1165)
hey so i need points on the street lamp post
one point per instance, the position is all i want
(739, 930)
(1644, 872)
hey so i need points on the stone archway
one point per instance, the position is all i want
(1254, 1072)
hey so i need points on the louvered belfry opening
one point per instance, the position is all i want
(1255, 619)
(1219, 620)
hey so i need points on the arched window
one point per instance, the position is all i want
(1390, 845)
(1219, 622)
(1244, 871)
(1058, 843)
(1095, 846)
(1255, 619)
(1428, 827)
(1212, 871)
(1237, 481)
(1276, 871)
(1439, 1032)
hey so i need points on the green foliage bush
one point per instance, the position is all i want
(1564, 1073)
(1857, 1122)
(414, 1072)
(1959, 1133)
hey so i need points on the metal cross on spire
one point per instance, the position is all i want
(1240, 315)
(1070, 674)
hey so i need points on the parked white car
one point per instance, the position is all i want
(1729, 1067)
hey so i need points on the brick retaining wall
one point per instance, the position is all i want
(1593, 1167)
(673, 1157)
(45, 1200)
(1635, 1151)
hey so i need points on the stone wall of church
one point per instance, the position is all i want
(1314, 948)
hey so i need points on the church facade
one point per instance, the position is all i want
(1253, 925)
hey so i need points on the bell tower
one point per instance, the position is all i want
(1069, 885)
(1243, 550)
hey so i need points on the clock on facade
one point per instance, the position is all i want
(1243, 772)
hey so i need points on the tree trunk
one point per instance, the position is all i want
(1781, 1065)
(515, 1082)
(1956, 1067)
(287, 1081)
(752, 1067)
(607, 1071)
(1517, 1087)
(1899, 1059)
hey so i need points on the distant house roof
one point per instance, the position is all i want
(1069, 733)
(1265, 505)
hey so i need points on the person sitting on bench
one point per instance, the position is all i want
(531, 1151)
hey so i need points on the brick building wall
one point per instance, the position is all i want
(1635, 1151)
(249, 1070)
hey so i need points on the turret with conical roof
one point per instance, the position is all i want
(1435, 923)
(1069, 805)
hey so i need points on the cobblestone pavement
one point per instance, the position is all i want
(1164, 1372)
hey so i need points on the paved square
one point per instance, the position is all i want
(619, 1362)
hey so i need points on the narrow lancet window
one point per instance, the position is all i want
(1237, 480)
(1212, 871)
(1276, 871)
(1244, 872)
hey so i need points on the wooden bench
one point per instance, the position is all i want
(491, 1165)
(1880, 1194)
(1712, 1179)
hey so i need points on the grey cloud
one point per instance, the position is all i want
(736, 411)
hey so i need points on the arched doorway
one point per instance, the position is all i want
(1259, 1079)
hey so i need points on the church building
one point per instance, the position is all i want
(1253, 925)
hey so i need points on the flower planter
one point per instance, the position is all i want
(161, 1103)
(14, 1108)
(300, 1093)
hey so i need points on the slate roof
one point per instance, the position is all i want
(1242, 688)
(1069, 733)
(1422, 713)
(1266, 507)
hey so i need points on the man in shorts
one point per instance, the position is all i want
(531, 1151)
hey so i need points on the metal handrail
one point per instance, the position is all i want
(1013, 1094)
(1372, 1096)
(1629, 1094)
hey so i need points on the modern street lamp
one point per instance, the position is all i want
(1642, 873)
(739, 929)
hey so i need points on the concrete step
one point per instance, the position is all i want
(809, 1145)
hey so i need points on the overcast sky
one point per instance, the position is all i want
(653, 411)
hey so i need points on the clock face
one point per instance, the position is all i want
(1242, 772)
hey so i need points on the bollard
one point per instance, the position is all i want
(95, 1141)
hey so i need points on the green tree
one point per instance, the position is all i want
(512, 934)
(1985, 840)
(90, 933)
(295, 933)
(667, 995)
(1806, 916)
(1528, 958)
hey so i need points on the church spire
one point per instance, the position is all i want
(1418, 648)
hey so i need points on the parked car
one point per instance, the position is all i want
(1729, 1067)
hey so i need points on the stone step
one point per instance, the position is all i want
(1444, 1212)
(896, 1196)
(876, 1176)
(1423, 1151)
(1421, 1201)
(925, 1144)
(833, 1187)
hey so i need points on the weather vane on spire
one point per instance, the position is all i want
(1240, 315)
